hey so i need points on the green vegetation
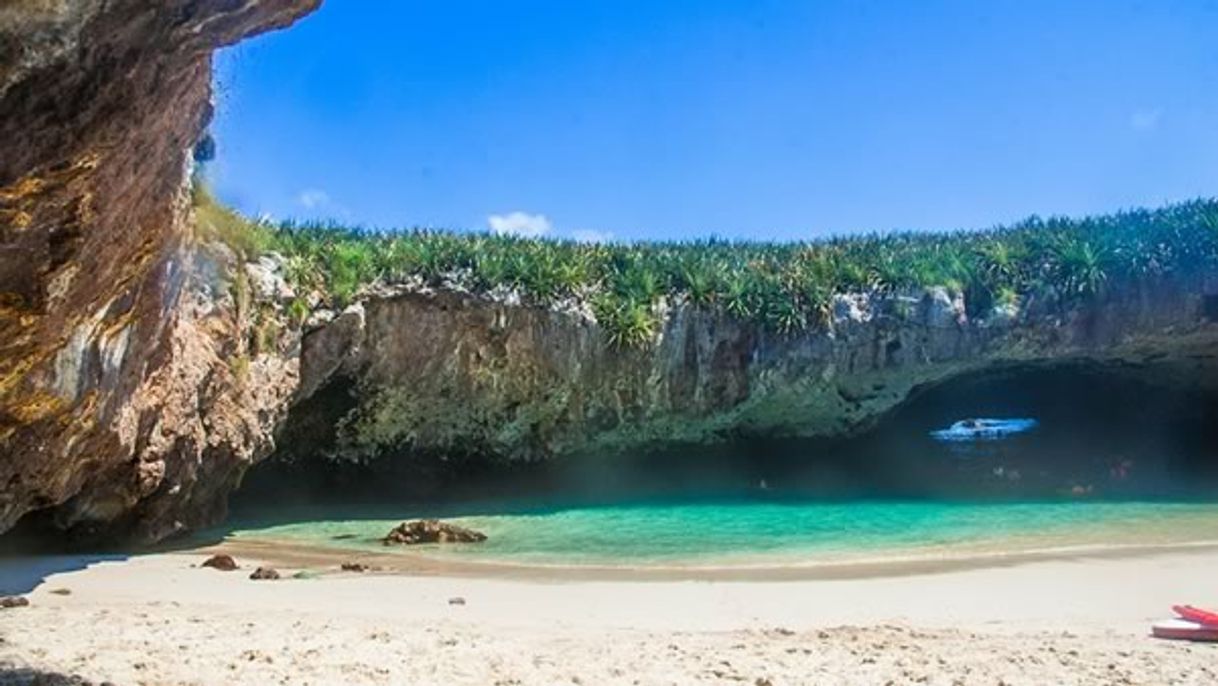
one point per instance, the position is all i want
(787, 286)
(215, 222)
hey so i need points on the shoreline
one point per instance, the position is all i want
(664, 546)
(159, 577)
(163, 619)
(419, 563)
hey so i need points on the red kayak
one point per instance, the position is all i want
(1194, 614)
(1184, 630)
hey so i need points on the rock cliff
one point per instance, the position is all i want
(459, 375)
(118, 402)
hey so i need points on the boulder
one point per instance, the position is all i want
(13, 601)
(224, 563)
(264, 574)
(431, 531)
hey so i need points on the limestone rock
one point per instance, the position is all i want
(265, 574)
(266, 279)
(1003, 315)
(117, 390)
(327, 349)
(445, 374)
(944, 309)
(851, 308)
(431, 531)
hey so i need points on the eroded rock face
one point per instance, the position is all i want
(457, 375)
(119, 402)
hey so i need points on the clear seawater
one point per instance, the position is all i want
(735, 533)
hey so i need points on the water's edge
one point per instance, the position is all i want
(804, 539)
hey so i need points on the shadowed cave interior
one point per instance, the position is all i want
(1100, 436)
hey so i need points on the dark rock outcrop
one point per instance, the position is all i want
(119, 408)
(431, 531)
(223, 563)
(11, 601)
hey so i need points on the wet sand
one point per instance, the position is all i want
(161, 619)
(403, 560)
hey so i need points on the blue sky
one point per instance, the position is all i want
(752, 119)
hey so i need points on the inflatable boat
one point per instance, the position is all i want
(984, 429)
(1184, 630)
(1192, 624)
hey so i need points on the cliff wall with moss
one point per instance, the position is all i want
(464, 376)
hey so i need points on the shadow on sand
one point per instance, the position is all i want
(20, 574)
(11, 675)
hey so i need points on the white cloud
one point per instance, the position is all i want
(317, 201)
(519, 224)
(1145, 120)
(591, 236)
(313, 198)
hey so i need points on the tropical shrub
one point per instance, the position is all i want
(786, 287)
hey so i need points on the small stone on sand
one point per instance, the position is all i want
(224, 563)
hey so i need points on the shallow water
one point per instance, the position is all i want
(758, 532)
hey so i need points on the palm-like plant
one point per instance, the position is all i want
(783, 287)
(1080, 268)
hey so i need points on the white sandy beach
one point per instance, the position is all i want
(160, 619)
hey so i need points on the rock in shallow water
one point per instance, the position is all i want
(431, 531)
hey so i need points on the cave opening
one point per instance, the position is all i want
(1101, 435)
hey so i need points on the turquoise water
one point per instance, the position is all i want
(770, 533)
